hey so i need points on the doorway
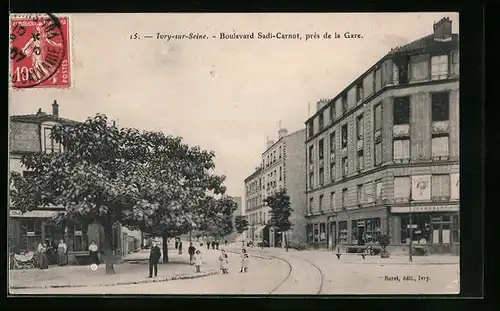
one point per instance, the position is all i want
(441, 234)
(332, 236)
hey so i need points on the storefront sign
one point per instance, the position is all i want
(34, 214)
(30, 233)
(423, 209)
(455, 186)
(78, 233)
(421, 187)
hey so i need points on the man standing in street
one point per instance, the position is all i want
(191, 251)
(154, 258)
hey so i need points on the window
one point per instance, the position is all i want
(401, 149)
(360, 194)
(440, 187)
(50, 144)
(332, 171)
(311, 149)
(321, 202)
(344, 104)
(321, 149)
(345, 167)
(322, 232)
(343, 232)
(332, 112)
(309, 233)
(378, 154)
(440, 106)
(402, 186)
(439, 67)
(332, 200)
(311, 202)
(332, 142)
(264, 218)
(321, 176)
(419, 67)
(378, 189)
(378, 79)
(440, 146)
(78, 234)
(311, 179)
(281, 173)
(321, 121)
(260, 217)
(378, 117)
(311, 128)
(344, 136)
(367, 229)
(455, 63)
(455, 228)
(274, 156)
(359, 92)
(421, 229)
(401, 110)
(280, 153)
(344, 197)
(361, 160)
(316, 233)
(359, 127)
(30, 234)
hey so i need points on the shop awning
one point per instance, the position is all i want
(36, 213)
(260, 228)
(424, 208)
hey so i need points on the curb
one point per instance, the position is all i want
(402, 263)
(158, 280)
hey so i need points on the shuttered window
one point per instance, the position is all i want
(378, 154)
(440, 186)
(440, 146)
(401, 149)
(439, 67)
(402, 187)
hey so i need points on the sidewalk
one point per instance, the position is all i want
(134, 270)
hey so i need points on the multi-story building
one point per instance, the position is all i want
(388, 146)
(32, 133)
(283, 166)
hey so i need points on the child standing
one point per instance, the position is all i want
(244, 260)
(224, 261)
(198, 260)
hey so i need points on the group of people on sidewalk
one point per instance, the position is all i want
(61, 251)
(195, 258)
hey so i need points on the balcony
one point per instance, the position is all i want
(401, 130)
(440, 127)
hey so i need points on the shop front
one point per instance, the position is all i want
(433, 229)
(317, 232)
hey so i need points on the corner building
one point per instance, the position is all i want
(388, 146)
(283, 166)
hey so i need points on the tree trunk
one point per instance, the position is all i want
(165, 248)
(242, 241)
(286, 241)
(109, 254)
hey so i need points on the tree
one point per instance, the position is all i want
(241, 225)
(217, 219)
(280, 212)
(113, 176)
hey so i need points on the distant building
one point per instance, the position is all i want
(386, 146)
(31, 133)
(283, 166)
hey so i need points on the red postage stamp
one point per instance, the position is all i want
(39, 51)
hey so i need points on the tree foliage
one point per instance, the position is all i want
(145, 180)
(280, 211)
(217, 217)
(241, 224)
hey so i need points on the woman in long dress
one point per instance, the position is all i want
(94, 253)
(42, 256)
(224, 261)
(62, 253)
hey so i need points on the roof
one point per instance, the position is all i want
(40, 118)
(427, 44)
(255, 173)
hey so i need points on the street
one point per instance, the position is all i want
(274, 271)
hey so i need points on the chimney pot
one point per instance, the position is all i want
(442, 29)
(55, 109)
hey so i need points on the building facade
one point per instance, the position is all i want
(283, 166)
(388, 146)
(31, 133)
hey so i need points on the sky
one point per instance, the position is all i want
(224, 95)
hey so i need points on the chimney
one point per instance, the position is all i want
(442, 30)
(321, 103)
(55, 109)
(269, 142)
(282, 133)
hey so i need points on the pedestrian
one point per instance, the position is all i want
(217, 245)
(180, 247)
(62, 253)
(244, 260)
(154, 258)
(262, 244)
(191, 251)
(42, 256)
(176, 243)
(213, 244)
(199, 260)
(224, 261)
(208, 244)
(225, 242)
(94, 253)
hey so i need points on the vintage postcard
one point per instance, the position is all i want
(298, 153)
